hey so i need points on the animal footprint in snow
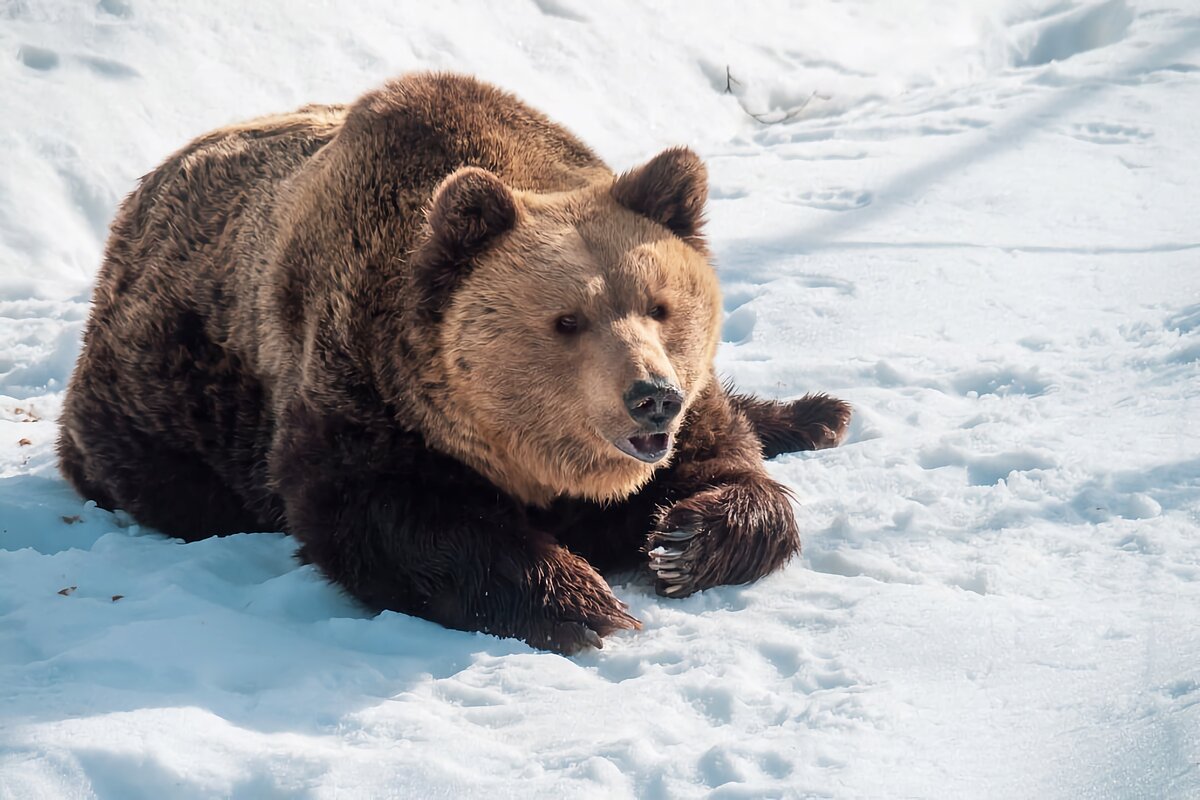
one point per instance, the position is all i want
(38, 58)
(118, 8)
(1109, 133)
(832, 199)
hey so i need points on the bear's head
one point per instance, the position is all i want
(575, 328)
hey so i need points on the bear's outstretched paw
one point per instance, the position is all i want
(815, 422)
(828, 416)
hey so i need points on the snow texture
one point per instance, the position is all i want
(976, 221)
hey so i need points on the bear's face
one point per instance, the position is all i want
(575, 341)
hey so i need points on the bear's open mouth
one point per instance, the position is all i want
(648, 447)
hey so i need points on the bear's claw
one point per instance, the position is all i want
(677, 535)
(671, 559)
(568, 638)
(592, 638)
(571, 637)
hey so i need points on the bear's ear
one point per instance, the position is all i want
(671, 190)
(469, 210)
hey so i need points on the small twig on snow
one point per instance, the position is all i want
(730, 81)
(763, 118)
(791, 113)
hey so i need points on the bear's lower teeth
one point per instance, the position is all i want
(650, 444)
(648, 447)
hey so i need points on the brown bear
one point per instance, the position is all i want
(433, 337)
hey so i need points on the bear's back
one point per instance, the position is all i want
(183, 215)
(430, 124)
(234, 197)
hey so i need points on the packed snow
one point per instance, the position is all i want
(975, 221)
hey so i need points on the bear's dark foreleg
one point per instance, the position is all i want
(403, 528)
(814, 422)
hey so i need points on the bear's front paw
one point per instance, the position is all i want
(729, 534)
(577, 608)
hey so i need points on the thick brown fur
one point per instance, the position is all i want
(348, 323)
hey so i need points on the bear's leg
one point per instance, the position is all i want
(401, 527)
(611, 536)
(814, 422)
(163, 488)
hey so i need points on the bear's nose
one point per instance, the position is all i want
(654, 403)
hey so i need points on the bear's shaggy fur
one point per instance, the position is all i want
(434, 338)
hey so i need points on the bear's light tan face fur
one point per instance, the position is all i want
(538, 411)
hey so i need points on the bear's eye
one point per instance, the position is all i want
(567, 324)
(657, 312)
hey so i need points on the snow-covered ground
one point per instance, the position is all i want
(977, 221)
